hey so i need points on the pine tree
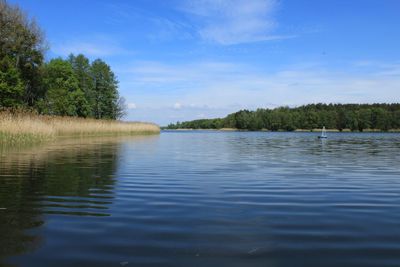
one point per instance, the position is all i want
(105, 91)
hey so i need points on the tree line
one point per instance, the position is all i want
(68, 87)
(356, 117)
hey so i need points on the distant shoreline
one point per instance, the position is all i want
(312, 117)
(297, 130)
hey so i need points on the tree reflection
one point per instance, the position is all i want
(69, 178)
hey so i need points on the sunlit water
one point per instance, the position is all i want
(203, 199)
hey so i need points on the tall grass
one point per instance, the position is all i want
(19, 128)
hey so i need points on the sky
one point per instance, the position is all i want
(180, 60)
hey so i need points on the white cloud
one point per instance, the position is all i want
(212, 88)
(177, 105)
(230, 22)
(132, 106)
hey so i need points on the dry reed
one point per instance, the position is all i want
(25, 128)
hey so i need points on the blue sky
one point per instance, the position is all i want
(189, 59)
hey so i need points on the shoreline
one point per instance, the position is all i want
(297, 130)
(24, 128)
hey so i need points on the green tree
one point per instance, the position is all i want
(11, 84)
(364, 119)
(105, 91)
(396, 119)
(82, 70)
(380, 119)
(311, 120)
(63, 96)
(22, 41)
(349, 116)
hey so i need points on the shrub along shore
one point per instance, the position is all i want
(26, 128)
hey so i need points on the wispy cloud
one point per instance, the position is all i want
(131, 106)
(94, 47)
(210, 88)
(151, 72)
(177, 105)
(379, 68)
(229, 22)
(167, 29)
(158, 27)
(225, 22)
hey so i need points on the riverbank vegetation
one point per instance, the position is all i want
(41, 100)
(28, 128)
(356, 117)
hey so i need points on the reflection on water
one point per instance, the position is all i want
(203, 199)
(68, 177)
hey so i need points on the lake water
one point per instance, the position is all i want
(203, 199)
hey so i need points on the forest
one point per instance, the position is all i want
(355, 117)
(73, 86)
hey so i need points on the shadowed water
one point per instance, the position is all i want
(203, 199)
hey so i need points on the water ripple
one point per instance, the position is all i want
(205, 199)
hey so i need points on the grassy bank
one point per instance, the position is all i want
(26, 128)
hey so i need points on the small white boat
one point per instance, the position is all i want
(323, 134)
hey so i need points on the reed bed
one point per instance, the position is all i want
(27, 128)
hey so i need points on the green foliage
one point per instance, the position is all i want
(198, 124)
(11, 84)
(82, 106)
(105, 91)
(73, 87)
(333, 116)
(82, 70)
(22, 42)
(62, 89)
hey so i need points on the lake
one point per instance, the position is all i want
(203, 198)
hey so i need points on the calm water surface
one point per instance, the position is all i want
(203, 199)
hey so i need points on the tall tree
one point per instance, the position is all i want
(11, 84)
(105, 91)
(63, 95)
(22, 43)
(82, 70)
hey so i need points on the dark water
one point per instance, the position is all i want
(203, 199)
